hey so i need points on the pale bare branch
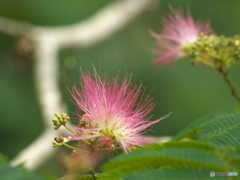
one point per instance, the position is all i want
(14, 28)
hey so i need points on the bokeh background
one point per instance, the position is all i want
(188, 92)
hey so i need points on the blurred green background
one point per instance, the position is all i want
(188, 92)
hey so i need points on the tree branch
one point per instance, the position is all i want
(14, 28)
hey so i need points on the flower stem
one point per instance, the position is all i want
(69, 146)
(76, 134)
(69, 129)
(107, 149)
(93, 173)
(229, 82)
(99, 145)
(86, 142)
(93, 143)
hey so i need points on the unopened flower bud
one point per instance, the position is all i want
(61, 120)
(56, 144)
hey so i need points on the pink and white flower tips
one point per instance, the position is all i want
(114, 115)
(178, 32)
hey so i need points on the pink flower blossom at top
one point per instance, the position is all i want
(116, 115)
(178, 32)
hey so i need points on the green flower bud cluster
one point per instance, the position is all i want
(214, 51)
(62, 119)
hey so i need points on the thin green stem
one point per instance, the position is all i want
(91, 150)
(86, 142)
(107, 149)
(93, 174)
(229, 82)
(94, 142)
(70, 129)
(76, 135)
(69, 146)
(100, 144)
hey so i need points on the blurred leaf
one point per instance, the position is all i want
(222, 131)
(3, 158)
(169, 174)
(81, 177)
(8, 172)
(191, 130)
(85, 177)
(233, 158)
(175, 154)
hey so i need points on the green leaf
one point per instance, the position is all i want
(222, 131)
(170, 174)
(233, 158)
(191, 130)
(81, 177)
(175, 154)
(3, 158)
(11, 173)
(8, 172)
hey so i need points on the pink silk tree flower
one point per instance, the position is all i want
(114, 114)
(178, 32)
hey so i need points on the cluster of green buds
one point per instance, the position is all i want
(80, 160)
(90, 143)
(214, 51)
(219, 52)
(62, 119)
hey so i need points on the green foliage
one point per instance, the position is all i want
(191, 130)
(222, 131)
(81, 177)
(3, 159)
(85, 177)
(169, 174)
(233, 158)
(179, 155)
(8, 172)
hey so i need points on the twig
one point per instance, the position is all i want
(229, 82)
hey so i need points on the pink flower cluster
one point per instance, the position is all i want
(114, 115)
(178, 32)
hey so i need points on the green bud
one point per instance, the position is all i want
(60, 141)
(56, 144)
(62, 119)
(214, 51)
